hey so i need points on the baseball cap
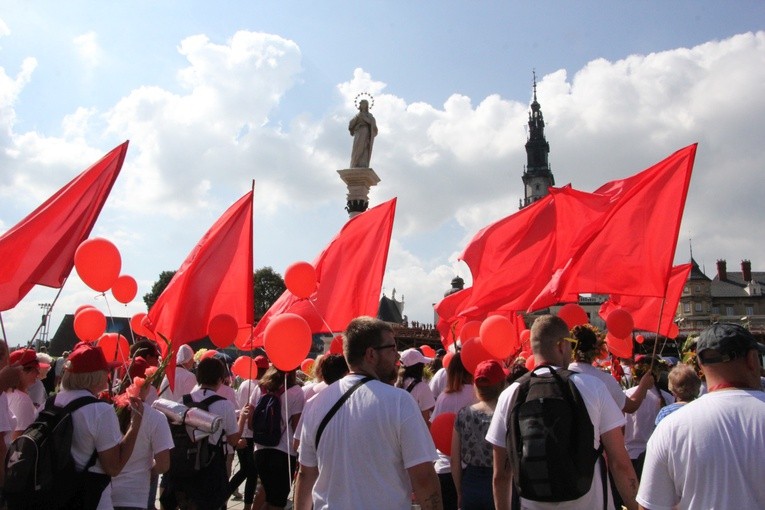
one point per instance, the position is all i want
(138, 367)
(86, 358)
(724, 342)
(489, 373)
(412, 356)
(261, 361)
(26, 358)
(184, 355)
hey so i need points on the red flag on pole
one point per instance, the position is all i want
(631, 251)
(216, 278)
(650, 313)
(39, 250)
(349, 272)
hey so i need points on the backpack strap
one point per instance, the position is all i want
(412, 385)
(59, 411)
(337, 406)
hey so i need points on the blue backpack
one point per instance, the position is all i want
(267, 421)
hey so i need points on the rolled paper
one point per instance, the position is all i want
(173, 410)
(195, 418)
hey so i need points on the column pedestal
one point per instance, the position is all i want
(359, 182)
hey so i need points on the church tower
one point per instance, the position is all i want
(537, 176)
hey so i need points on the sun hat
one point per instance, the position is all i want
(412, 356)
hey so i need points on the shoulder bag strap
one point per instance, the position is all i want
(337, 406)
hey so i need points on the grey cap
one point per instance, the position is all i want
(724, 342)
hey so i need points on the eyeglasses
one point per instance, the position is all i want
(573, 341)
(383, 347)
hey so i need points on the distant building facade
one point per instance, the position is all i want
(728, 297)
(537, 174)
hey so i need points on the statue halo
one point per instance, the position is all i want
(361, 96)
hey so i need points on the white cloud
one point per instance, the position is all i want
(88, 50)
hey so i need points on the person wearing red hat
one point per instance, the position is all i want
(19, 401)
(185, 380)
(95, 426)
(9, 378)
(469, 446)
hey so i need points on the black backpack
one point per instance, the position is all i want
(39, 468)
(550, 438)
(267, 423)
(189, 457)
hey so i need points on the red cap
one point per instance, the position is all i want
(86, 358)
(26, 358)
(489, 373)
(261, 361)
(138, 367)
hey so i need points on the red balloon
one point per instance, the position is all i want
(526, 338)
(89, 324)
(208, 354)
(619, 323)
(98, 263)
(531, 363)
(447, 359)
(428, 351)
(621, 347)
(473, 353)
(470, 330)
(136, 324)
(441, 429)
(300, 279)
(307, 365)
(336, 346)
(640, 339)
(498, 336)
(115, 347)
(244, 367)
(222, 330)
(573, 314)
(287, 341)
(124, 289)
(244, 340)
(81, 308)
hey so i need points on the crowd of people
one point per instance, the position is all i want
(355, 432)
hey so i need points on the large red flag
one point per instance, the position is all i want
(215, 279)
(631, 250)
(449, 324)
(645, 310)
(39, 250)
(349, 273)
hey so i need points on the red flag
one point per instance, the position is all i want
(645, 309)
(449, 324)
(39, 250)
(349, 272)
(631, 250)
(216, 278)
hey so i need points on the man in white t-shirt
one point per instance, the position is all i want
(551, 346)
(185, 380)
(709, 453)
(376, 449)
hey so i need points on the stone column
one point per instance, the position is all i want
(359, 181)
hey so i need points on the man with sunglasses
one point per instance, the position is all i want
(552, 345)
(375, 449)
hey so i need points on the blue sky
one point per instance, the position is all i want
(213, 95)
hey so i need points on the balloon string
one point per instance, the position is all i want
(289, 439)
(321, 317)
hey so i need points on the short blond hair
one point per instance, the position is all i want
(83, 380)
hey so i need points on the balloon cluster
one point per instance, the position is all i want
(98, 264)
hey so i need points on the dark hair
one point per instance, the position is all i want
(412, 371)
(361, 334)
(333, 368)
(516, 371)
(457, 375)
(490, 393)
(273, 379)
(589, 346)
(144, 348)
(210, 372)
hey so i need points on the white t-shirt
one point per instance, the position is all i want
(708, 454)
(243, 395)
(22, 408)
(222, 408)
(438, 382)
(375, 436)
(451, 403)
(641, 423)
(613, 387)
(7, 422)
(131, 487)
(311, 389)
(184, 384)
(95, 428)
(422, 394)
(38, 394)
(605, 416)
(293, 401)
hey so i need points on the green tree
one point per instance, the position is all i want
(158, 288)
(269, 285)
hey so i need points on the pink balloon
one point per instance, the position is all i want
(124, 289)
(619, 323)
(498, 336)
(573, 315)
(98, 263)
(89, 324)
(222, 330)
(287, 341)
(300, 279)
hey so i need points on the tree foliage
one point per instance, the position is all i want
(157, 289)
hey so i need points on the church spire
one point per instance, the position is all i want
(537, 175)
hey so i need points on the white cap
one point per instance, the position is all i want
(412, 356)
(184, 355)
